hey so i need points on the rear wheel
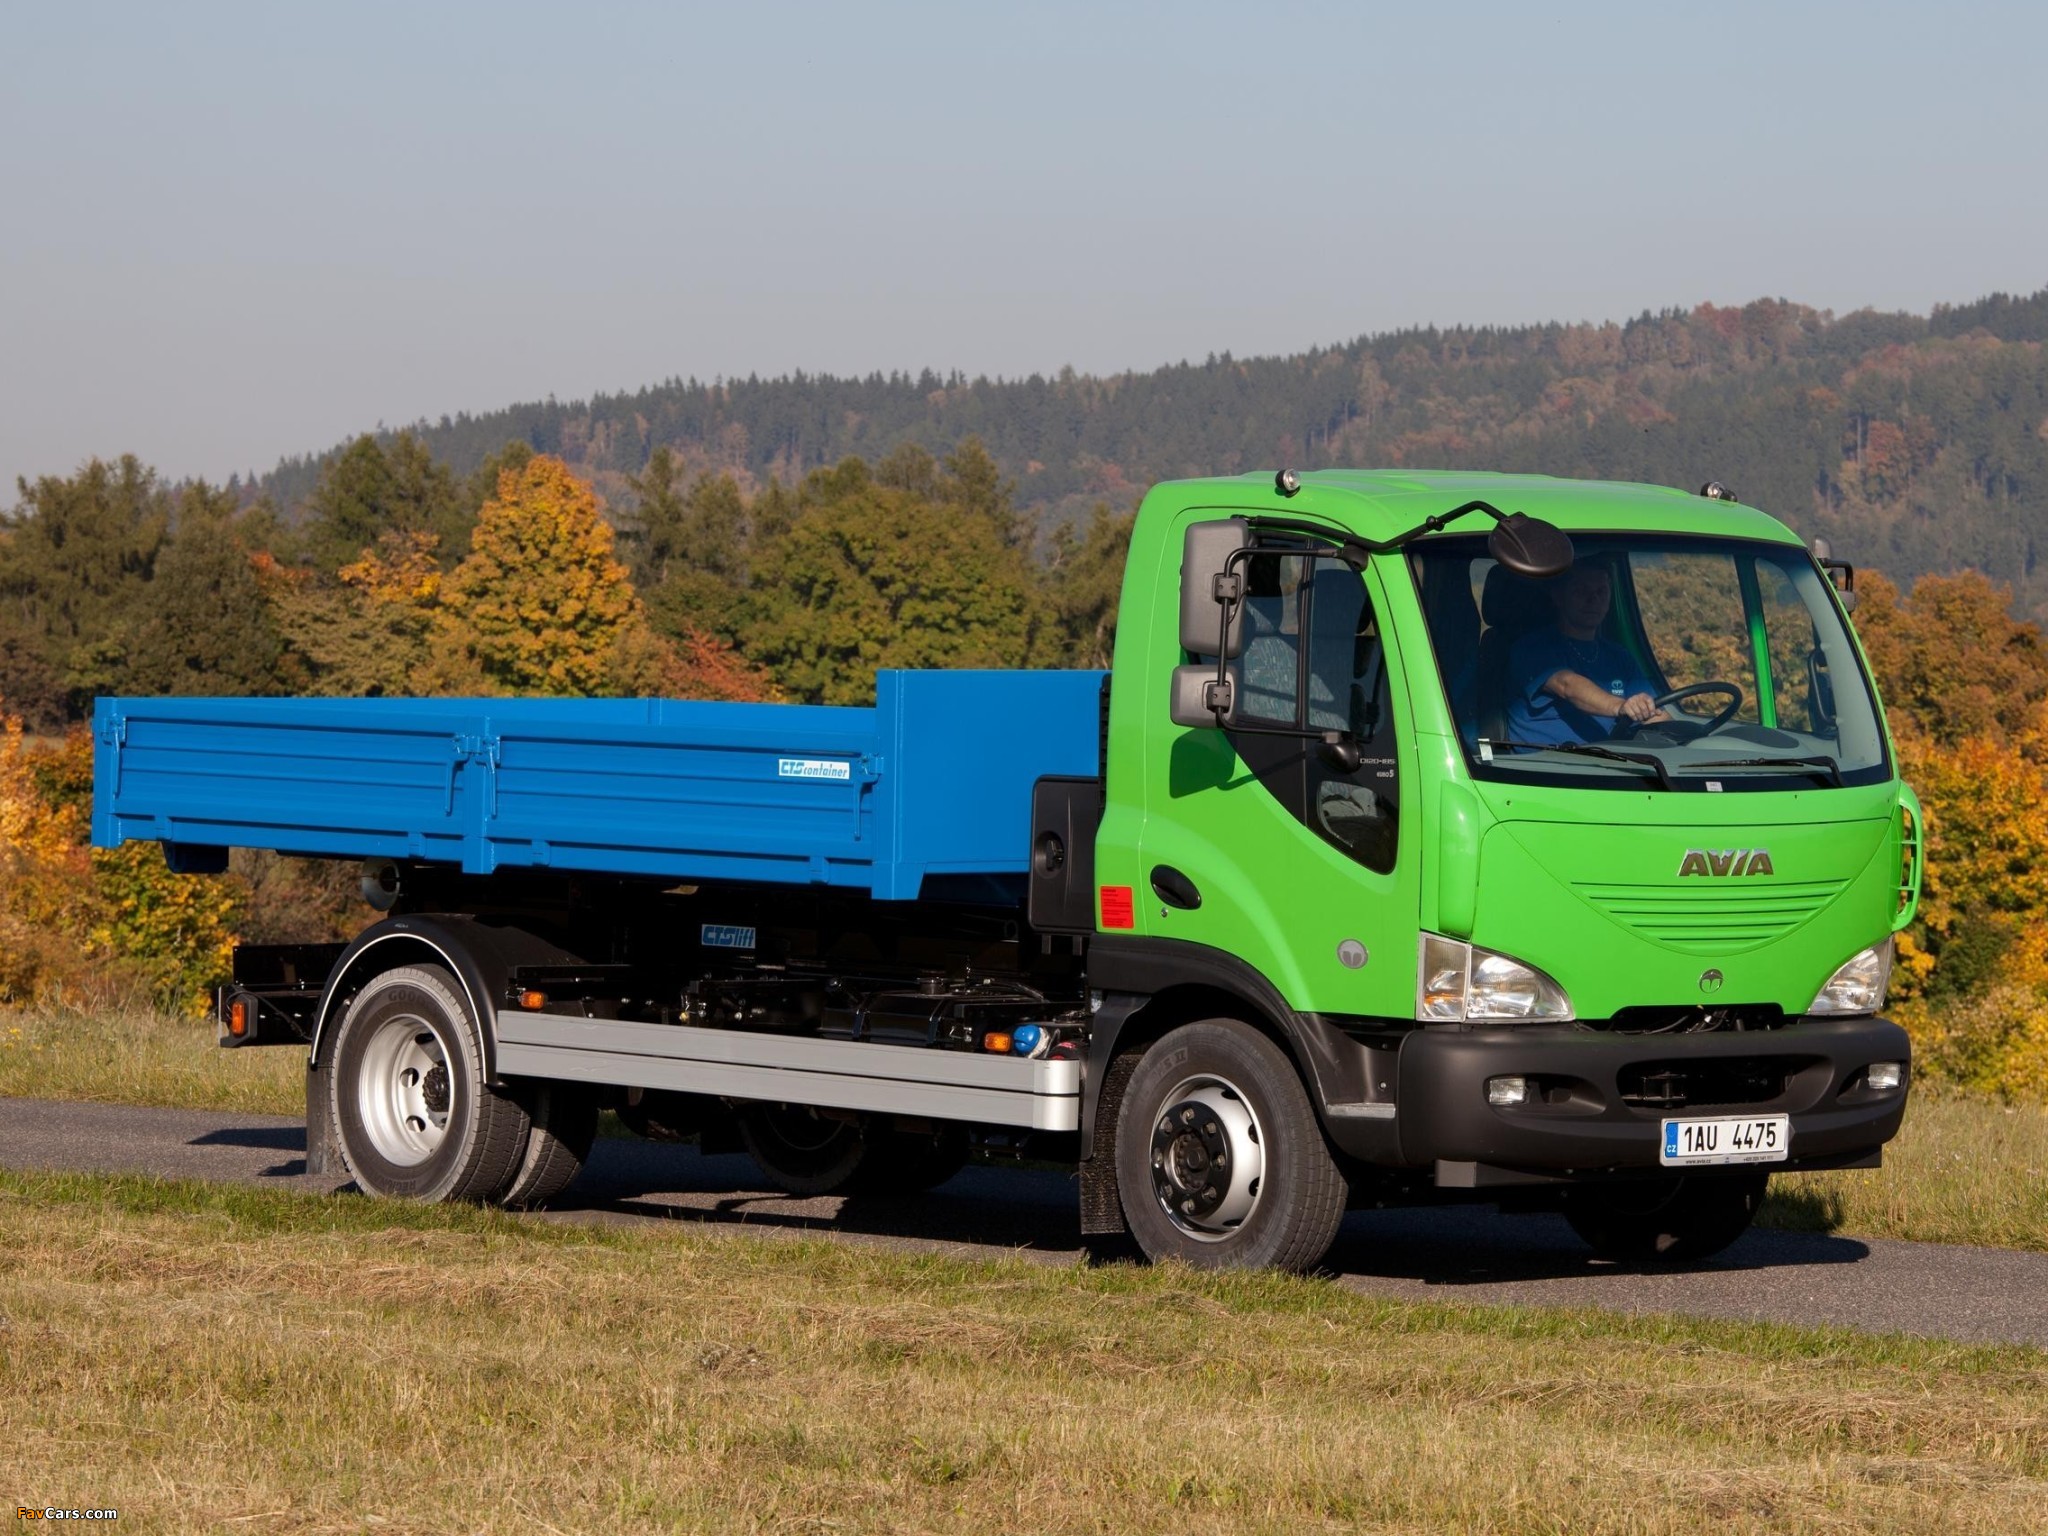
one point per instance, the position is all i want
(800, 1150)
(909, 1163)
(411, 1111)
(564, 1117)
(808, 1152)
(1665, 1220)
(1219, 1158)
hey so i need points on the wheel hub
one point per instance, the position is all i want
(1208, 1159)
(404, 1092)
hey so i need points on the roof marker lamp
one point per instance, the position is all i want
(1462, 983)
(1858, 985)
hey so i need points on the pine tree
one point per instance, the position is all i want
(208, 630)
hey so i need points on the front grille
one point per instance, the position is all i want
(1689, 1019)
(1728, 1081)
(1712, 919)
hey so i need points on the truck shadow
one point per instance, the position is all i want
(1476, 1245)
(1033, 1211)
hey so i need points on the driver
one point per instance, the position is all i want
(1565, 683)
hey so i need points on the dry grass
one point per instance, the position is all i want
(208, 1358)
(142, 1057)
(1964, 1170)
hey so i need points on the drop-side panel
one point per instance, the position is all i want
(934, 780)
(835, 1074)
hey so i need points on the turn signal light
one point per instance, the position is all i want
(533, 1000)
(996, 1041)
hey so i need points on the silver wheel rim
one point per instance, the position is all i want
(1208, 1158)
(405, 1089)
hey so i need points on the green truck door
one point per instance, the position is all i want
(1304, 867)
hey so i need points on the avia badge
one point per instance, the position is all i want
(1726, 861)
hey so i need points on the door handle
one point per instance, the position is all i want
(1174, 888)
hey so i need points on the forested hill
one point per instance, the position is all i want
(1916, 442)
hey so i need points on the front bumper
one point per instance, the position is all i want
(1602, 1097)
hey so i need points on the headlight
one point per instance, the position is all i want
(1858, 986)
(1463, 982)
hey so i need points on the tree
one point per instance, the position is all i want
(654, 531)
(875, 576)
(1085, 581)
(208, 629)
(76, 558)
(540, 600)
(1950, 657)
(368, 490)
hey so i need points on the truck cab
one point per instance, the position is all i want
(1521, 946)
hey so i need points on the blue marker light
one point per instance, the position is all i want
(1027, 1039)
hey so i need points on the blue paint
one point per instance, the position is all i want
(934, 780)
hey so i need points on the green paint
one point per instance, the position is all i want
(1759, 642)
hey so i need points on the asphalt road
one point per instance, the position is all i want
(1469, 1254)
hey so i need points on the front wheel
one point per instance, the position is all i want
(1667, 1221)
(411, 1111)
(1219, 1158)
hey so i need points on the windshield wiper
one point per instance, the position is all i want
(1589, 749)
(1820, 765)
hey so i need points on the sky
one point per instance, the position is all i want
(230, 233)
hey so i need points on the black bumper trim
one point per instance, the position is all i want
(1444, 1117)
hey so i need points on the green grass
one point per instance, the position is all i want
(234, 1359)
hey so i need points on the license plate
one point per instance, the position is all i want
(1726, 1139)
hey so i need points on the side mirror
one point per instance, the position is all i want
(1530, 547)
(1196, 698)
(1204, 563)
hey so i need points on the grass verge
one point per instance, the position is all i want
(1963, 1170)
(143, 1058)
(216, 1358)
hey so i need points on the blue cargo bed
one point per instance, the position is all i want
(934, 780)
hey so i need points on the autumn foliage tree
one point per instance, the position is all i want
(540, 601)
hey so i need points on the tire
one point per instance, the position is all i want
(410, 1110)
(1220, 1161)
(1669, 1221)
(564, 1117)
(800, 1151)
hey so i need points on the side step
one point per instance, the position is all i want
(794, 1069)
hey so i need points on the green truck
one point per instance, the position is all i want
(1433, 837)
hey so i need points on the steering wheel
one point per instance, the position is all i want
(1625, 728)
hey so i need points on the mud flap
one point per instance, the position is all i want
(1102, 1207)
(319, 1094)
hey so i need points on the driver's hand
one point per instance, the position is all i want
(1641, 708)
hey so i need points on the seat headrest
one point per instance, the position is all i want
(1512, 602)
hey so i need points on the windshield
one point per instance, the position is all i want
(1656, 661)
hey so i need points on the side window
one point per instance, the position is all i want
(1312, 661)
(1805, 694)
(1347, 691)
(1269, 662)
